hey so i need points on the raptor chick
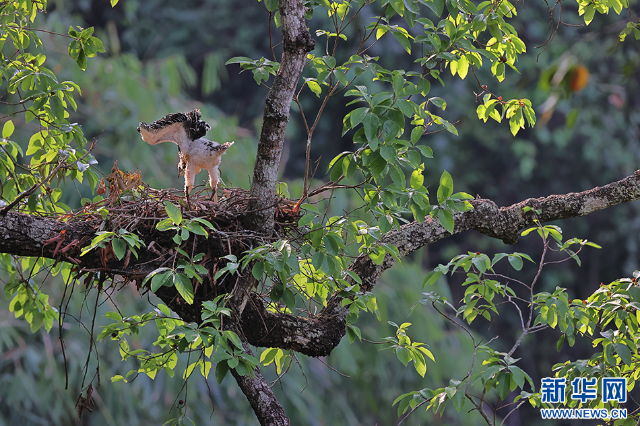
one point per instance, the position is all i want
(186, 130)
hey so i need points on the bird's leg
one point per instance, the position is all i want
(214, 177)
(189, 179)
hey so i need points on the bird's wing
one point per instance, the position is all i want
(170, 133)
(177, 128)
(216, 147)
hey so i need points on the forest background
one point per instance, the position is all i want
(167, 57)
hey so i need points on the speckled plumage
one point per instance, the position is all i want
(196, 153)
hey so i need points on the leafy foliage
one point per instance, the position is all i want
(393, 110)
(486, 289)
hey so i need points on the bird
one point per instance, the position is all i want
(187, 130)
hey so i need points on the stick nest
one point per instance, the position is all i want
(131, 203)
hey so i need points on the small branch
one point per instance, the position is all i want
(31, 190)
(28, 192)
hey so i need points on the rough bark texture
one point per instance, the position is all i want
(264, 403)
(296, 43)
(29, 235)
(258, 392)
(317, 336)
(503, 223)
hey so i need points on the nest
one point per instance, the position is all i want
(134, 206)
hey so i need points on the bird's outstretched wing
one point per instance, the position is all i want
(213, 146)
(176, 128)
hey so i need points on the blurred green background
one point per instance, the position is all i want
(165, 56)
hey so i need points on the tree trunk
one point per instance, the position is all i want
(296, 43)
(26, 235)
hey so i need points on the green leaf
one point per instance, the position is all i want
(77, 54)
(173, 212)
(357, 115)
(407, 107)
(86, 33)
(348, 166)
(516, 262)
(417, 179)
(184, 287)
(463, 67)
(371, 123)
(589, 14)
(449, 28)
(7, 129)
(425, 151)
(234, 338)
(164, 224)
(450, 128)
(404, 40)
(436, 6)
(398, 82)
(504, 385)
(56, 107)
(119, 247)
(446, 219)
(403, 355)
(353, 332)
(332, 244)
(431, 278)
(424, 86)
(336, 172)
(623, 351)
(196, 228)
(388, 153)
(221, 371)
(445, 190)
(271, 5)
(258, 270)
(518, 376)
(342, 77)
(416, 134)
(458, 399)
(560, 342)
(397, 176)
(160, 280)
(377, 255)
(439, 102)
(289, 299)
(315, 87)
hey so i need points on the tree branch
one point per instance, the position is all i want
(296, 43)
(25, 235)
(258, 392)
(503, 223)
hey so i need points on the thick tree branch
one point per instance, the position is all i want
(264, 403)
(503, 223)
(310, 336)
(317, 336)
(258, 392)
(25, 235)
(296, 43)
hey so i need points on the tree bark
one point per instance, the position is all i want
(28, 235)
(257, 391)
(296, 43)
(25, 235)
